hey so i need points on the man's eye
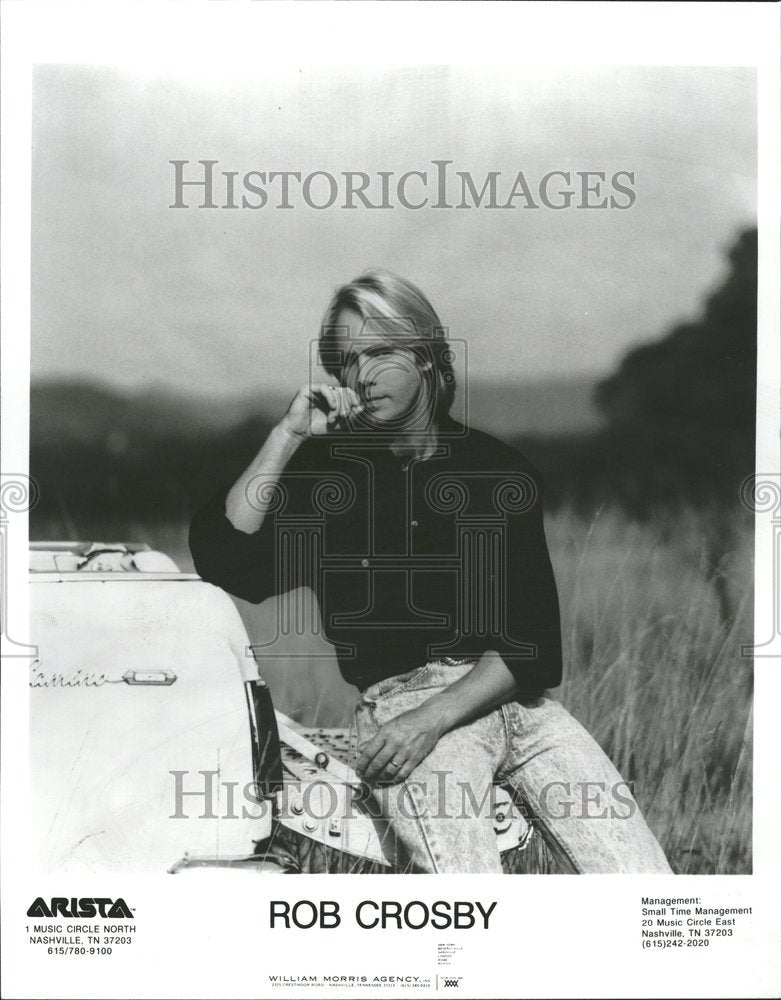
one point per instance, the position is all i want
(372, 353)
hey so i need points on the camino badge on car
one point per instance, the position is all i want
(164, 677)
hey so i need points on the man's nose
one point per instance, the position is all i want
(366, 372)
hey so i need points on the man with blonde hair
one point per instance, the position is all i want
(429, 561)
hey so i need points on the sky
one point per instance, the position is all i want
(211, 301)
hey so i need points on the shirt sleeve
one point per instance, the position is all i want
(240, 563)
(511, 580)
(250, 566)
(532, 605)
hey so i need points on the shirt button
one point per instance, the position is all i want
(413, 524)
(364, 563)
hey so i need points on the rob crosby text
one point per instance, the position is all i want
(382, 914)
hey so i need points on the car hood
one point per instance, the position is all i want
(139, 725)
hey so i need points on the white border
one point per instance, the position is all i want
(563, 937)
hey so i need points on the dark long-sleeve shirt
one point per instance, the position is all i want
(410, 561)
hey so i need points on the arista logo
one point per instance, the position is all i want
(59, 906)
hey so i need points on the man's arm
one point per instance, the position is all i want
(488, 685)
(411, 736)
(245, 505)
(229, 545)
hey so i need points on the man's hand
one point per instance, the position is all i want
(394, 752)
(402, 743)
(316, 409)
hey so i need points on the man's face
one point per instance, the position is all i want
(385, 373)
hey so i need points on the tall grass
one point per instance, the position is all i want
(654, 616)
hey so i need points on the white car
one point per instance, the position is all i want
(154, 744)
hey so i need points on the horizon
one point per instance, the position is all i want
(509, 407)
(155, 385)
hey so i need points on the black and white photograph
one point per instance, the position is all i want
(395, 500)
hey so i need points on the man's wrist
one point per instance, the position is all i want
(288, 437)
(440, 713)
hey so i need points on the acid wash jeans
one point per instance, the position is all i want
(442, 812)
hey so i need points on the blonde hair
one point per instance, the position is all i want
(395, 309)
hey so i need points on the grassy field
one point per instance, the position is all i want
(653, 616)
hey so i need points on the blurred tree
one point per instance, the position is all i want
(702, 375)
(680, 414)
